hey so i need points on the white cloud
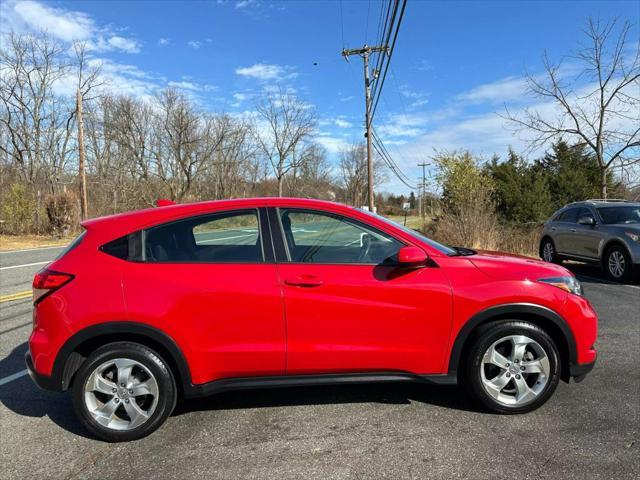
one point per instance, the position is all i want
(184, 85)
(194, 44)
(340, 122)
(333, 145)
(244, 3)
(64, 24)
(500, 91)
(125, 44)
(347, 99)
(163, 42)
(264, 71)
(25, 16)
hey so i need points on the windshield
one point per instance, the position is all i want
(432, 243)
(627, 214)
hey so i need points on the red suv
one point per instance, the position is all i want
(190, 300)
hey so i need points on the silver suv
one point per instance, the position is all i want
(595, 231)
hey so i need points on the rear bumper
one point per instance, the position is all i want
(42, 381)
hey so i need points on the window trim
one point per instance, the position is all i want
(283, 240)
(222, 213)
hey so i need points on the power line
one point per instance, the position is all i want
(342, 24)
(388, 57)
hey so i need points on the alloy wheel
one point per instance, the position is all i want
(515, 370)
(121, 394)
(617, 264)
(548, 252)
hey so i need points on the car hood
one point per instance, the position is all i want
(508, 266)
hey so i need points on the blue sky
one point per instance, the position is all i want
(455, 65)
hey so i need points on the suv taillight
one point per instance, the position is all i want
(48, 281)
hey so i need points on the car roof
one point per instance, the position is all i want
(127, 222)
(602, 203)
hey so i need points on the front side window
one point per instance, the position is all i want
(625, 215)
(230, 237)
(570, 215)
(315, 237)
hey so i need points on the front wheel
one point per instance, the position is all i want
(123, 391)
(512, 367)
(617, 263)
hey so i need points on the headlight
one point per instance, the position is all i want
(633, 236)
(570, 284)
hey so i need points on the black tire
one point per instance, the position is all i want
(548, 243)
(608, 263)
(166, 387)
(485, 337)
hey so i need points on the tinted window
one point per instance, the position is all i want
(230, 237)
(314, 237)
(570, 215)
(584, 212)
(621, 215)
(128, 247)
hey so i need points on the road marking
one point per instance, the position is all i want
(25, 265)
(31, 249)
(15, 296)
(13, 377)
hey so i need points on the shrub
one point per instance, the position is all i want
(468, 212)
(18, 210)
(62, 211)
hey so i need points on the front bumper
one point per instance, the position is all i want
(579, 371)
(42, 381)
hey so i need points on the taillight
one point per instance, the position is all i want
(48, 281)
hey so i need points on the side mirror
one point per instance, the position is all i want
(587, 220)
(412, 257)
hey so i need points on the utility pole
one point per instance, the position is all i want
(364, 52)
(424, 187)
(81, 169)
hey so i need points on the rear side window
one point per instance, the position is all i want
(229, 237)
(128, 247)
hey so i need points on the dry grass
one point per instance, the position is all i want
(413, 221)
(19, 242)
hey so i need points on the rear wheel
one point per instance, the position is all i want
(548, 251)
(512, 367)
(123, 391)
(617, 263)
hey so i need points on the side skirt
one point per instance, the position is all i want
(284, 381)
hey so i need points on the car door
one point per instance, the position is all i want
(349, 307)
(210, 283)
(564, 236)
(586, 238)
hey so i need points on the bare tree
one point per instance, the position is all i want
(87, 79)
(604, 114)
(354, 176)
(288, 122)
(33, 115)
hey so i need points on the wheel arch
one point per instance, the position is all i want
(77, 348)
(613, 242)
(543, 317)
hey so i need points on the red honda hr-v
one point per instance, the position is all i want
(188, 300)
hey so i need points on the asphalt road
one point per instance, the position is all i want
(587, 430)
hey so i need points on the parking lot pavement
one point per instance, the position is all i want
(587, 430)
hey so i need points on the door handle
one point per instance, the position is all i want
(553, 228)
(573, 230)
(304, 281)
